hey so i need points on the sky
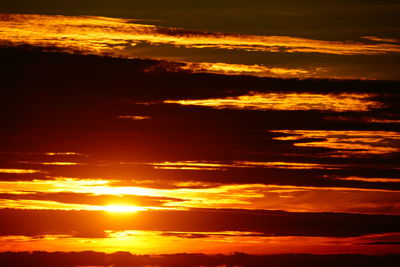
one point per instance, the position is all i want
(207, 127)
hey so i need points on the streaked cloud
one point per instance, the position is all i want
(55, 163)
(134, 117)
(100, 35)
(19, 171)
(289, 101)
(380, 39)
(370, 180)
(63, 154)
(365, 119)
(201, 165)
(43, 153)
(75, 194)
(255, 70)
(81, 201)
(60, 163)
(195, 242)
(346, 143)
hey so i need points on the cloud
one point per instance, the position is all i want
(98, 35)
(371, 180)
(288, 101)
(226, 242)
(346, 143)
(215, 165)
(256, 70)
(19, 171)
(69, 194)
(134, 117)
(380, 39)
(90, 199)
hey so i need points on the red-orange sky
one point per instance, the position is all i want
(271, 128)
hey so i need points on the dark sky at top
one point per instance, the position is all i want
(341, 19)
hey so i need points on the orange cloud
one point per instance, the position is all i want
(99, 35)
(380, 39)
(289, 101)
(255, 70)
(19, 171)
(202, 165)
(134, 117)
(75, 194)
(346, 142)
(370, 180)
(152, 242)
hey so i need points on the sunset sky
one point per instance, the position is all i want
(214, 127)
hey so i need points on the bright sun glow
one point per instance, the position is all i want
(120, 208)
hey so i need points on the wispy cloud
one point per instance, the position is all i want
(289, 101)
(134, 117)
(346, 143)
(19, 171)
(75, 194)
(255, 70)
(370, 180)
(192, 241)
(203, 165)
(100, 35)
(381, 39)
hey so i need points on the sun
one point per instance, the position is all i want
(121, 208)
